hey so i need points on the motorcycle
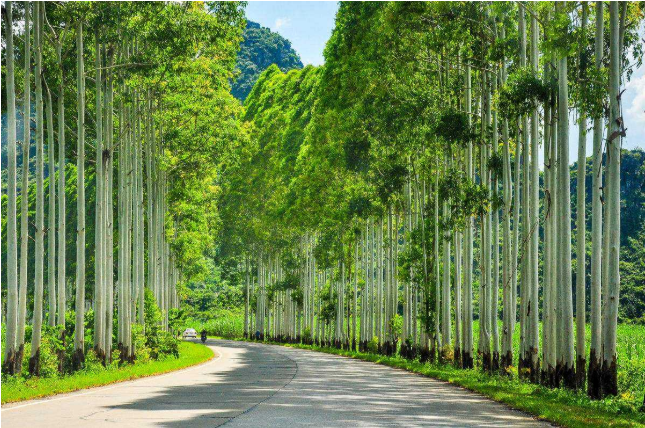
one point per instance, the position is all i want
(203, 337)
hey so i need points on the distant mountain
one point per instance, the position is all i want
(261, 48)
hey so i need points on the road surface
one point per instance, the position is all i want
(257, 385)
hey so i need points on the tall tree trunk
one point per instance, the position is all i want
(446, 326)
(555, 303)
(34, 360)
(565, 365)
(246, 297)
(51, 214)
(8, 362)
(524, 365)
(494, 308)
(457, 238)
(593, 378)
(121, 227)
(437, 277)
(507, 267)
(99, 220)
(615, 132)
(24, 200)
(485, 254)
(62, 211)
(517, 197)
(355, 297)
(550, 277)
(79, 332)
(533, 342)
(467, 348)
(138, 229)
(108, 162)
(581, 231)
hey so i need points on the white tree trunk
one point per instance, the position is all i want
(467, 348)
(8, 362)
(565, 333)
(99, 220)
(533, 340)
(51, 214)
(24, 200)
(108, 161)
(594, 389)
(62, 212)
(581, 233)
(34, 361)
(614, 133)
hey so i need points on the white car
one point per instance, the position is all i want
(190, 333)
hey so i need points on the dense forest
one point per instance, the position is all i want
(113, 201)
(259, 49)
(391, 197)
(412, 196)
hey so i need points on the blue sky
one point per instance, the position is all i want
(307, 25)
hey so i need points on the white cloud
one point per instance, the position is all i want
(634, 111)
(637, 107)
(282, 22)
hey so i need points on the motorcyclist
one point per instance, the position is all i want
(204, 336)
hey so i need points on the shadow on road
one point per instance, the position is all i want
(259, 385)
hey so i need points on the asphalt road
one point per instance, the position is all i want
(256, 385)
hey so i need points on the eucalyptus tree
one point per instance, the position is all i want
(494, 180)
(523, 188)
(467, 348)
(594, 377)
(615, 132)
(79, 332)
(24, 200)
(51, 214)
(34, 360)
(99, 219)
(581, 238)
(508, 323)
(108, 167)
(565, 350)
(533, 358)
(8, 360)
(486, 231)
(62, 218)
(550, 272)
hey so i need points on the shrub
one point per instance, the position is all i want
(168, 345)
(372, 345)
(306, 335)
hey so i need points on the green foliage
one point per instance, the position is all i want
(222, 323)
(372, 345)
(453, 127)
(297, 295)
(159, 343)
(589, 92)
(632, 271)
(396, 325)
(150, 343)
(522, 93)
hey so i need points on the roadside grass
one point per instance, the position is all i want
(560, 406)
(19, 389)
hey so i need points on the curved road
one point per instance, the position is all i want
(256, 385)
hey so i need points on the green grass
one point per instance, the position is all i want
(19, 389)
(630, 346)
(563, 407)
